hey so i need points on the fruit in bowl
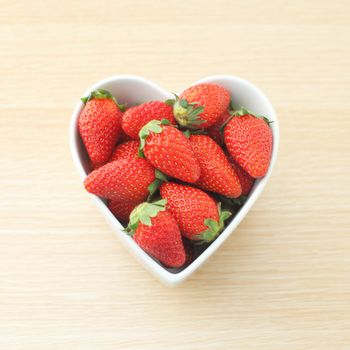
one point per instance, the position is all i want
(174, 171)
(173, 145)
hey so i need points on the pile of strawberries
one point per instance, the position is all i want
(166, 166)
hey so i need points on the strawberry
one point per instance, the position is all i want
(249, 141)
(125, 179)
(197, 214)
(169, 150)
(155, 230)
(126, 150)
(201, 105)
(245, 179)
(136, 117)
(215, 131)
(122, 209)
(100, 125)
(217, 174)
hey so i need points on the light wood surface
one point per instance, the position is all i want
(282, 281)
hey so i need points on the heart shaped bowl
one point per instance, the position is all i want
(134, 90)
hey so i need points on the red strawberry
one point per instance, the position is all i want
(249, 142)
(168, 150)
(122, 209)
(155, 230)
(201, 105)
(100, 125)
(122, 180)
(245, 179)
(126, 150)
(197, 214)
(215, 131)
(217, 174)
(136, 117)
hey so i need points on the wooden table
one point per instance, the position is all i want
(282, 281)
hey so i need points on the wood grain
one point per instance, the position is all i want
(282, 281)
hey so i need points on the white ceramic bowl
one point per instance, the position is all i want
(133, 89)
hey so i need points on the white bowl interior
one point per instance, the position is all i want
(133, 90)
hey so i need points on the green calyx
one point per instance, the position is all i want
(153, 126)
(267, 120)
(239, 201)
(188, 114)
(153, 187)
(241, 112)
(143, 213)
(232, 203)
(100, 94)
(214, 227)
(187, 133)
(170, 102)
(244, 111)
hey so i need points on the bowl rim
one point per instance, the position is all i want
(164, 275)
